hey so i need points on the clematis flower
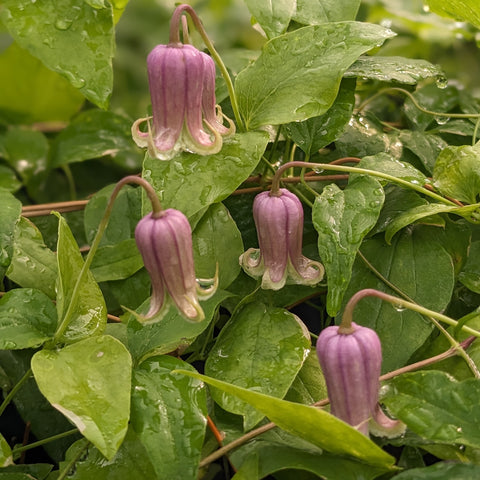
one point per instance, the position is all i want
(184, 113)
(279, 222)
(351, 362)
(165, 242)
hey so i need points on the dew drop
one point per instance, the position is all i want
(442, 120)
(399, 308)
(386, 22)
(426, 8)
(63, 24)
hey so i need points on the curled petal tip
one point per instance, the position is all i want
(206, 287)
(383, 426)
(251, 261)
(139, 137)
(192, 310)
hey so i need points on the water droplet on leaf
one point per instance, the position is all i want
(441, 120)
(63, 24)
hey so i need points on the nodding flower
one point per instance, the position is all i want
(279, 260)
(351, 362)
(165, 242)
(184, 113)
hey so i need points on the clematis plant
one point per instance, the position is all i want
(351, 358)
(279, 221)
(182, 89)
(164, 238)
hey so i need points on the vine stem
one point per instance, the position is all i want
(64, 473)
(447, 335)
(416, 104)
(175, 39)
(342, 168)
(156, 212)
(14, 390)
(24, 448)
(321, 403)
(401, 303)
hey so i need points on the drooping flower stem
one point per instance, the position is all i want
(342, 168)
(39, 443)
(400, 303)
(325, 401)
(14, 390)
(156, 212)
(175, 39)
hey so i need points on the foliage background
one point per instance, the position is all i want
(65, 135)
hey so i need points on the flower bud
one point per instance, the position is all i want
(351, 361)
(165, 242)
(182, 90)
(279, 222)
(351, 364)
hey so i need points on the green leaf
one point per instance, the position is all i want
(457, 172)
(437, 407)
(314, 13)
(309, 385)
(470, 275)
(33, 264)
(116, 262)
(6, 457)
(317, 132)
(25, 151)
(415, 257)
(268, 459)
(93, 134)
(269, 340)
(310, 423)
(394, 69)
(273, 17)
(8, 180)
(464, 10)
(204, 180)
(424, 145)
(342, 219)
(432, 98)
(89, 382)
(415, 214)
(70, 38)
(180, 429)
(172, 332)
(27, 319)
(32, 406)
(217, 241)
(38, 471)
(89, 314)
(385, 163)
(125, 215)
(363, 136)
(9, 217)
(442, 471)
(130, 461)
(33, 93)
(280, 87)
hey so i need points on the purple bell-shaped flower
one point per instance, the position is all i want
(185, 117)
(165, 242)
(351, 360)
(279, 222)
